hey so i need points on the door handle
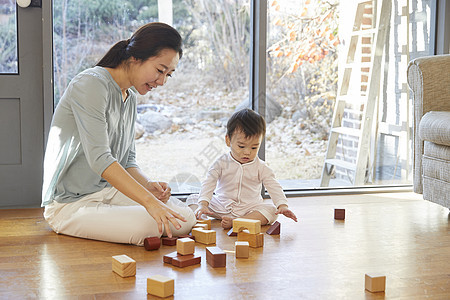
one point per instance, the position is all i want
(29, 3)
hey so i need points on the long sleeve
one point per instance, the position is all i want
(210, 182)
(273, 186)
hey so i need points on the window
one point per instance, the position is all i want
(8, 32)
(182, 125)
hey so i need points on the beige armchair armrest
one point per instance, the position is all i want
(429, 80)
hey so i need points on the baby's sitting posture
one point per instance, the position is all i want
(233, 184)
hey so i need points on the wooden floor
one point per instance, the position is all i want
(397, 235)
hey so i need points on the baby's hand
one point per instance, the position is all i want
(202, 210)
(284, 210)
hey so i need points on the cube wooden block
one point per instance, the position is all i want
(274, 229)
(185, 246)
(202, 236)
(152, 243)
(205, 221)
(216, 257)
(253, 226)
(254, 240)
(375, 283)
(160, 286)
(123, 265)
(339, 214)
(169, 241)
(242, 249)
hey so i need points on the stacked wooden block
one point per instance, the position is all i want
(249, 230)
(185, 255)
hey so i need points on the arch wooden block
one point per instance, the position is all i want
(185, 246)
(152, 243)
(253, 226)
(160, 286)
(123, 265)
(375, 283)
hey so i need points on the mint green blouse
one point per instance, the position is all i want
(92, 127)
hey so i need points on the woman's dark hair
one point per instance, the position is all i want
(248, 121)
(147, 41)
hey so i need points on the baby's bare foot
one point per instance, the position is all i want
(227, 222)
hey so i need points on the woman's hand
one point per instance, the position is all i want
(163, 215)
(160, 190)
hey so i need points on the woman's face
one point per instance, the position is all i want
(154, 71)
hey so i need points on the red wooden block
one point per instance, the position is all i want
(274, 229)
(169, 241)
(152, 243)
(216, 257)
(186, 260)
(169, 257)
(339, 214)
(231, 233)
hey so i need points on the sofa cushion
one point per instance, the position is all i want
(438, 165)
(435, 127)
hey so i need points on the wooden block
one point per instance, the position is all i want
(339, 214)
(242, 249)
(254, 240)
(182, 261)
(169, 257)
(201, 226)
(152, 243)
(123, 265)
(185, 246)
(216, 257)
(187, 236)
(253, 226)
(205, 221)
(375, 283)
(204, 236)
(160, 286)
(231, 232)
(274, 229)
(169, 241)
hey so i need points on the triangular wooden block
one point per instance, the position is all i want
(274, 229)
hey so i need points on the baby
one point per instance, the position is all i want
(233, 184)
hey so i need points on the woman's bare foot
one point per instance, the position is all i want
(227, 222)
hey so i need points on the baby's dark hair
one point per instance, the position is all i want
(248, 121)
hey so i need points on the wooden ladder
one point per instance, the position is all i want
(368, 99)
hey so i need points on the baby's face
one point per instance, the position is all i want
(243, 149)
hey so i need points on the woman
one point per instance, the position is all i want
(93, 187)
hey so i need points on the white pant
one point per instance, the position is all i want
(109, 215)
